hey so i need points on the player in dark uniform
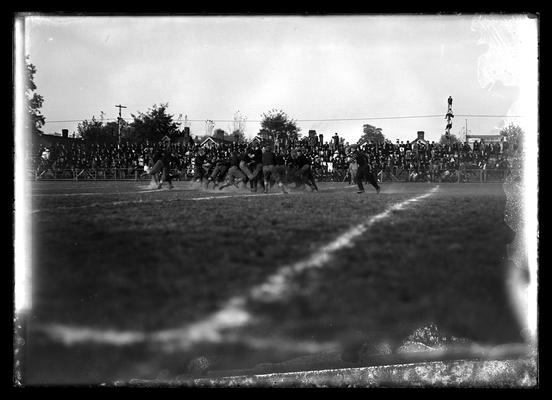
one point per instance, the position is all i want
(234, 176)
(279, 172)
(245, 162)
(157, 166)
(273, 169)
(160, 171)
(222, 163)
(364, 171)
(268, 166)
(256, 167)
(168, 158)
(303, 169)
(199, 171)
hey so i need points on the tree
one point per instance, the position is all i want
(34, 119)
(91, 131)
(97, 132)
(513, 135)
(451, 139)
(238, 130)
(154, 124)
(219, 133)
(280, 125)
(200, 138)
(238, 136)
(111, 130)
(371, 135)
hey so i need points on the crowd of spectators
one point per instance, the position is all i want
(416, 161)
(430, 161)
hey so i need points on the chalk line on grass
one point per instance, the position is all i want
(237, 195)
(104, 204)
(92, 193)
(339, 187)
(125, 202)
(149, 189)
(233, 314)
(141, 191)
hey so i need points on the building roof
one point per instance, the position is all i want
(259, 138)
(47, 138)
(363, 140)
(216, 140)
(420, 140)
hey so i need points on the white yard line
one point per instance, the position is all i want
(93, 193)
(146, 189)
(340, 187)
(237, 195)
(104, 204)
(234, 314)
(73, 184)
(124, 202)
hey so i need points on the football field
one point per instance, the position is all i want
(131, 282)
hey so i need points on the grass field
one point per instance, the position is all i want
(136, 283)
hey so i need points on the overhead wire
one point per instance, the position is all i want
(316, 120)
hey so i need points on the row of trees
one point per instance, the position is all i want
(371, 135)
(157, 122)
(150, 125)
(511, 133)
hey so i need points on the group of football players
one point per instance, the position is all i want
(256, 167)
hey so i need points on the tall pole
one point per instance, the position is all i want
(119, 123)
(449, 117)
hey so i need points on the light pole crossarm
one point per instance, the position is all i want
(119, 106)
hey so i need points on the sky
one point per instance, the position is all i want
(330, 73)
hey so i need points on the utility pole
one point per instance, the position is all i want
(119, 122)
